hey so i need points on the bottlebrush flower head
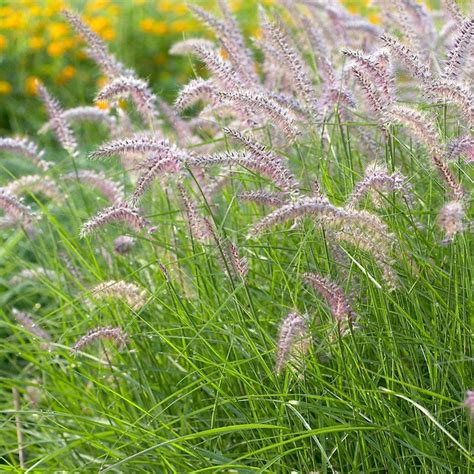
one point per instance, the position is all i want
(138, 90)
(340, 308)
(229, 35)
(155, 166)
(123, 244)
(262, 154)
(27, 321)
(264, 197)
(450, 220)
(376, 103)
(119, 212)
(27, 148)
(188, 46)
(274, 171)
(221, 70)
(378, 246)
(35, 184)
(15, 209)
(293, 343)
(361, 25)
(234, 263)
(457, 55)
(462, 146)
(318, 207)
(84, 114)
(424, 130)
(289, 102)
(117, 335)
(38, 273)
(239, 264)
(417, 25)
(320, 50)
(376, 67)
(300, 75)
(234, 43)
(129, 293)
(139, 143)
(57, 123)
(418, 124)
(277, 115)
(201, 228)
(112, 190)
(453, 11)
(97, 49)
(469, 402)
(452, 91)
(276, 75)
(378, 179)
(194, 91)
(408, 58)
(69, 265)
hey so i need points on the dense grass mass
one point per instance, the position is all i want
(277, 278)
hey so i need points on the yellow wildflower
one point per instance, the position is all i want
(3, 42)
(224, 54)
(57, 30)
(69, 72)
(35, 10)
(108, 34)
(147, 25)
(374, 18)
(180, 26)
(236, 5)
(257, 32)
(5, 87)
(53, 7)
(31, 85)
(165, 6)
(68, 43)
(65, 75)
(6, 11)
(354, 9)
(113, 10)
(99, 23)
(16, 21)
(102, 104)
(160, 28)
(101, 82)
(36, 42)
(56, 49)
(180, 9)
(97, 5)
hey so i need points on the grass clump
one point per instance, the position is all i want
(276, 279)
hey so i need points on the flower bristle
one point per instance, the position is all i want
(116, 334)
(57, 123)
(130, 293)
(119, 212)
(293, 342)
(27, 148)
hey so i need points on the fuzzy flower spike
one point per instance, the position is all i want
(293, 342)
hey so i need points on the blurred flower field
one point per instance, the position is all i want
(35, 42)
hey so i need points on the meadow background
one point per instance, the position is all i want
(36, 42)
(196, 390)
